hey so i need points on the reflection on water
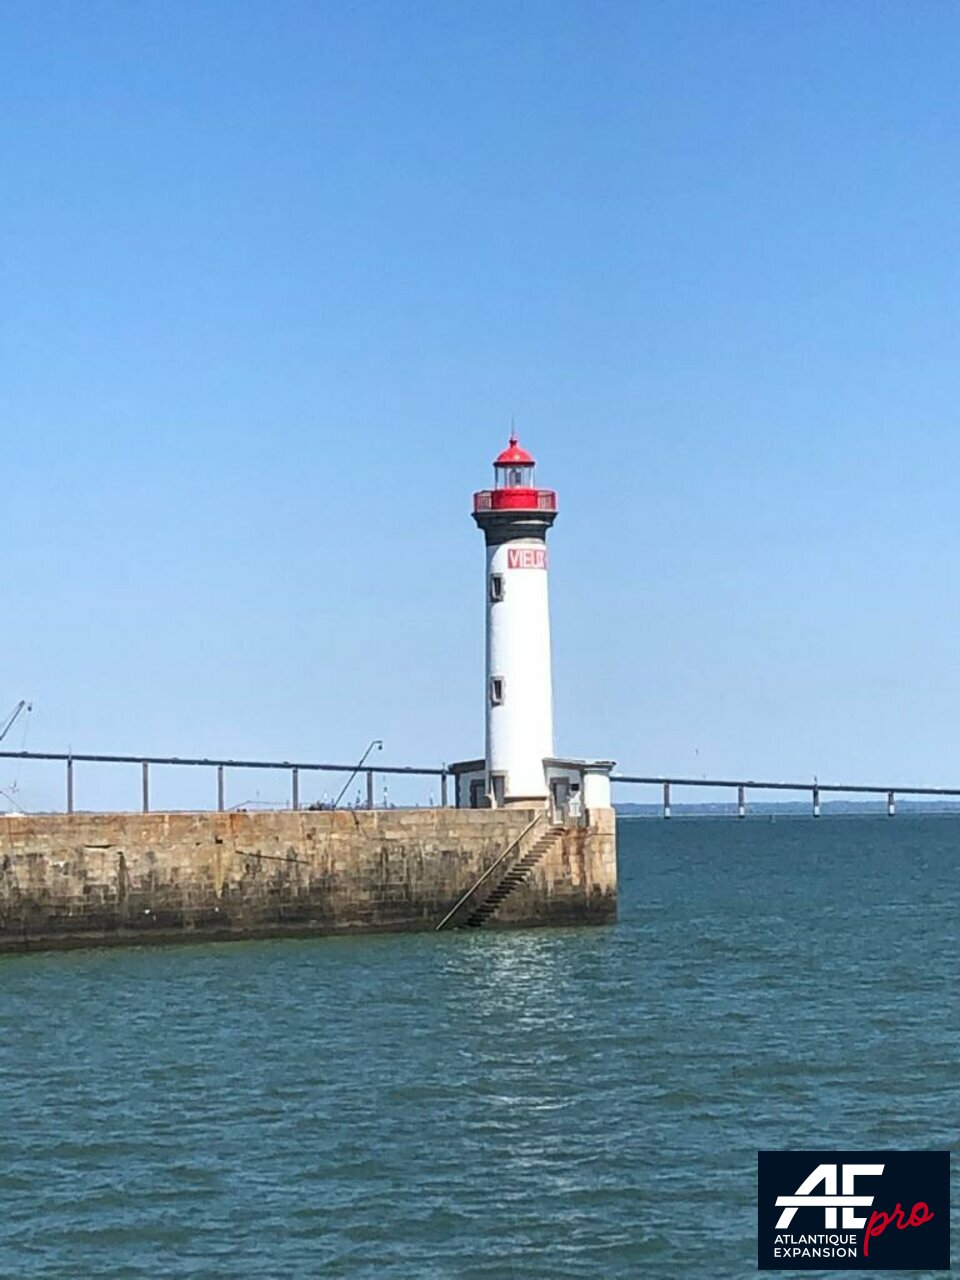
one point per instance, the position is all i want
(516, 973)
(545, 1104)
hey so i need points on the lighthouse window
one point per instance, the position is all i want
(496, 587)
(496, 691)
(515, 477)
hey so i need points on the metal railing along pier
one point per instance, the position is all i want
(295, 768)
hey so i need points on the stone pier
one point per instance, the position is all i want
(99, 878)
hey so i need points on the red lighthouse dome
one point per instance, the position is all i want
(513, 455)
(514, 486)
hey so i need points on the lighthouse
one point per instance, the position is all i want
(514, 517)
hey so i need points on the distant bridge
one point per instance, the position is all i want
(442, 773)
(814, 789)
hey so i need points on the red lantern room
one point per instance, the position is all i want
(513, 469)
(514, 488)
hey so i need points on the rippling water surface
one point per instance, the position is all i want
(552, 1103)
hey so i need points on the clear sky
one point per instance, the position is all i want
(274, 276)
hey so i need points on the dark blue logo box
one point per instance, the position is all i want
(853, 1210)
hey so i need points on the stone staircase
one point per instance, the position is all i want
(483, 899)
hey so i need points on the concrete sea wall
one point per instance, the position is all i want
(94, 878)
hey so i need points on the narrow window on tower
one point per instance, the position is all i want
(496, 587)
(496, 691)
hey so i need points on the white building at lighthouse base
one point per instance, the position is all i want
(571, 788)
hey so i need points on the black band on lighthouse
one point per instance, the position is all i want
(505, 526)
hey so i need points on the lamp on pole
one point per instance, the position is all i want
(360, 763)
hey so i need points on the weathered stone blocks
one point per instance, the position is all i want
(82, 879)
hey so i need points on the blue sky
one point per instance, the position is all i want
(275, 276)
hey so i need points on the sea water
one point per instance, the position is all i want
(547, 1103)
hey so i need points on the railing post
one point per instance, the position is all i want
(146, 786)
(370, 803)
(891, 806)
(443, 790)
(220, 788)
(69, 784)
(816, 802)
(295, 785)
(666, 799)
(741, 801)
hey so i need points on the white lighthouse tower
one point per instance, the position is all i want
(515, 516)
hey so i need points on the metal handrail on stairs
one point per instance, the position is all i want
(490, 870)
